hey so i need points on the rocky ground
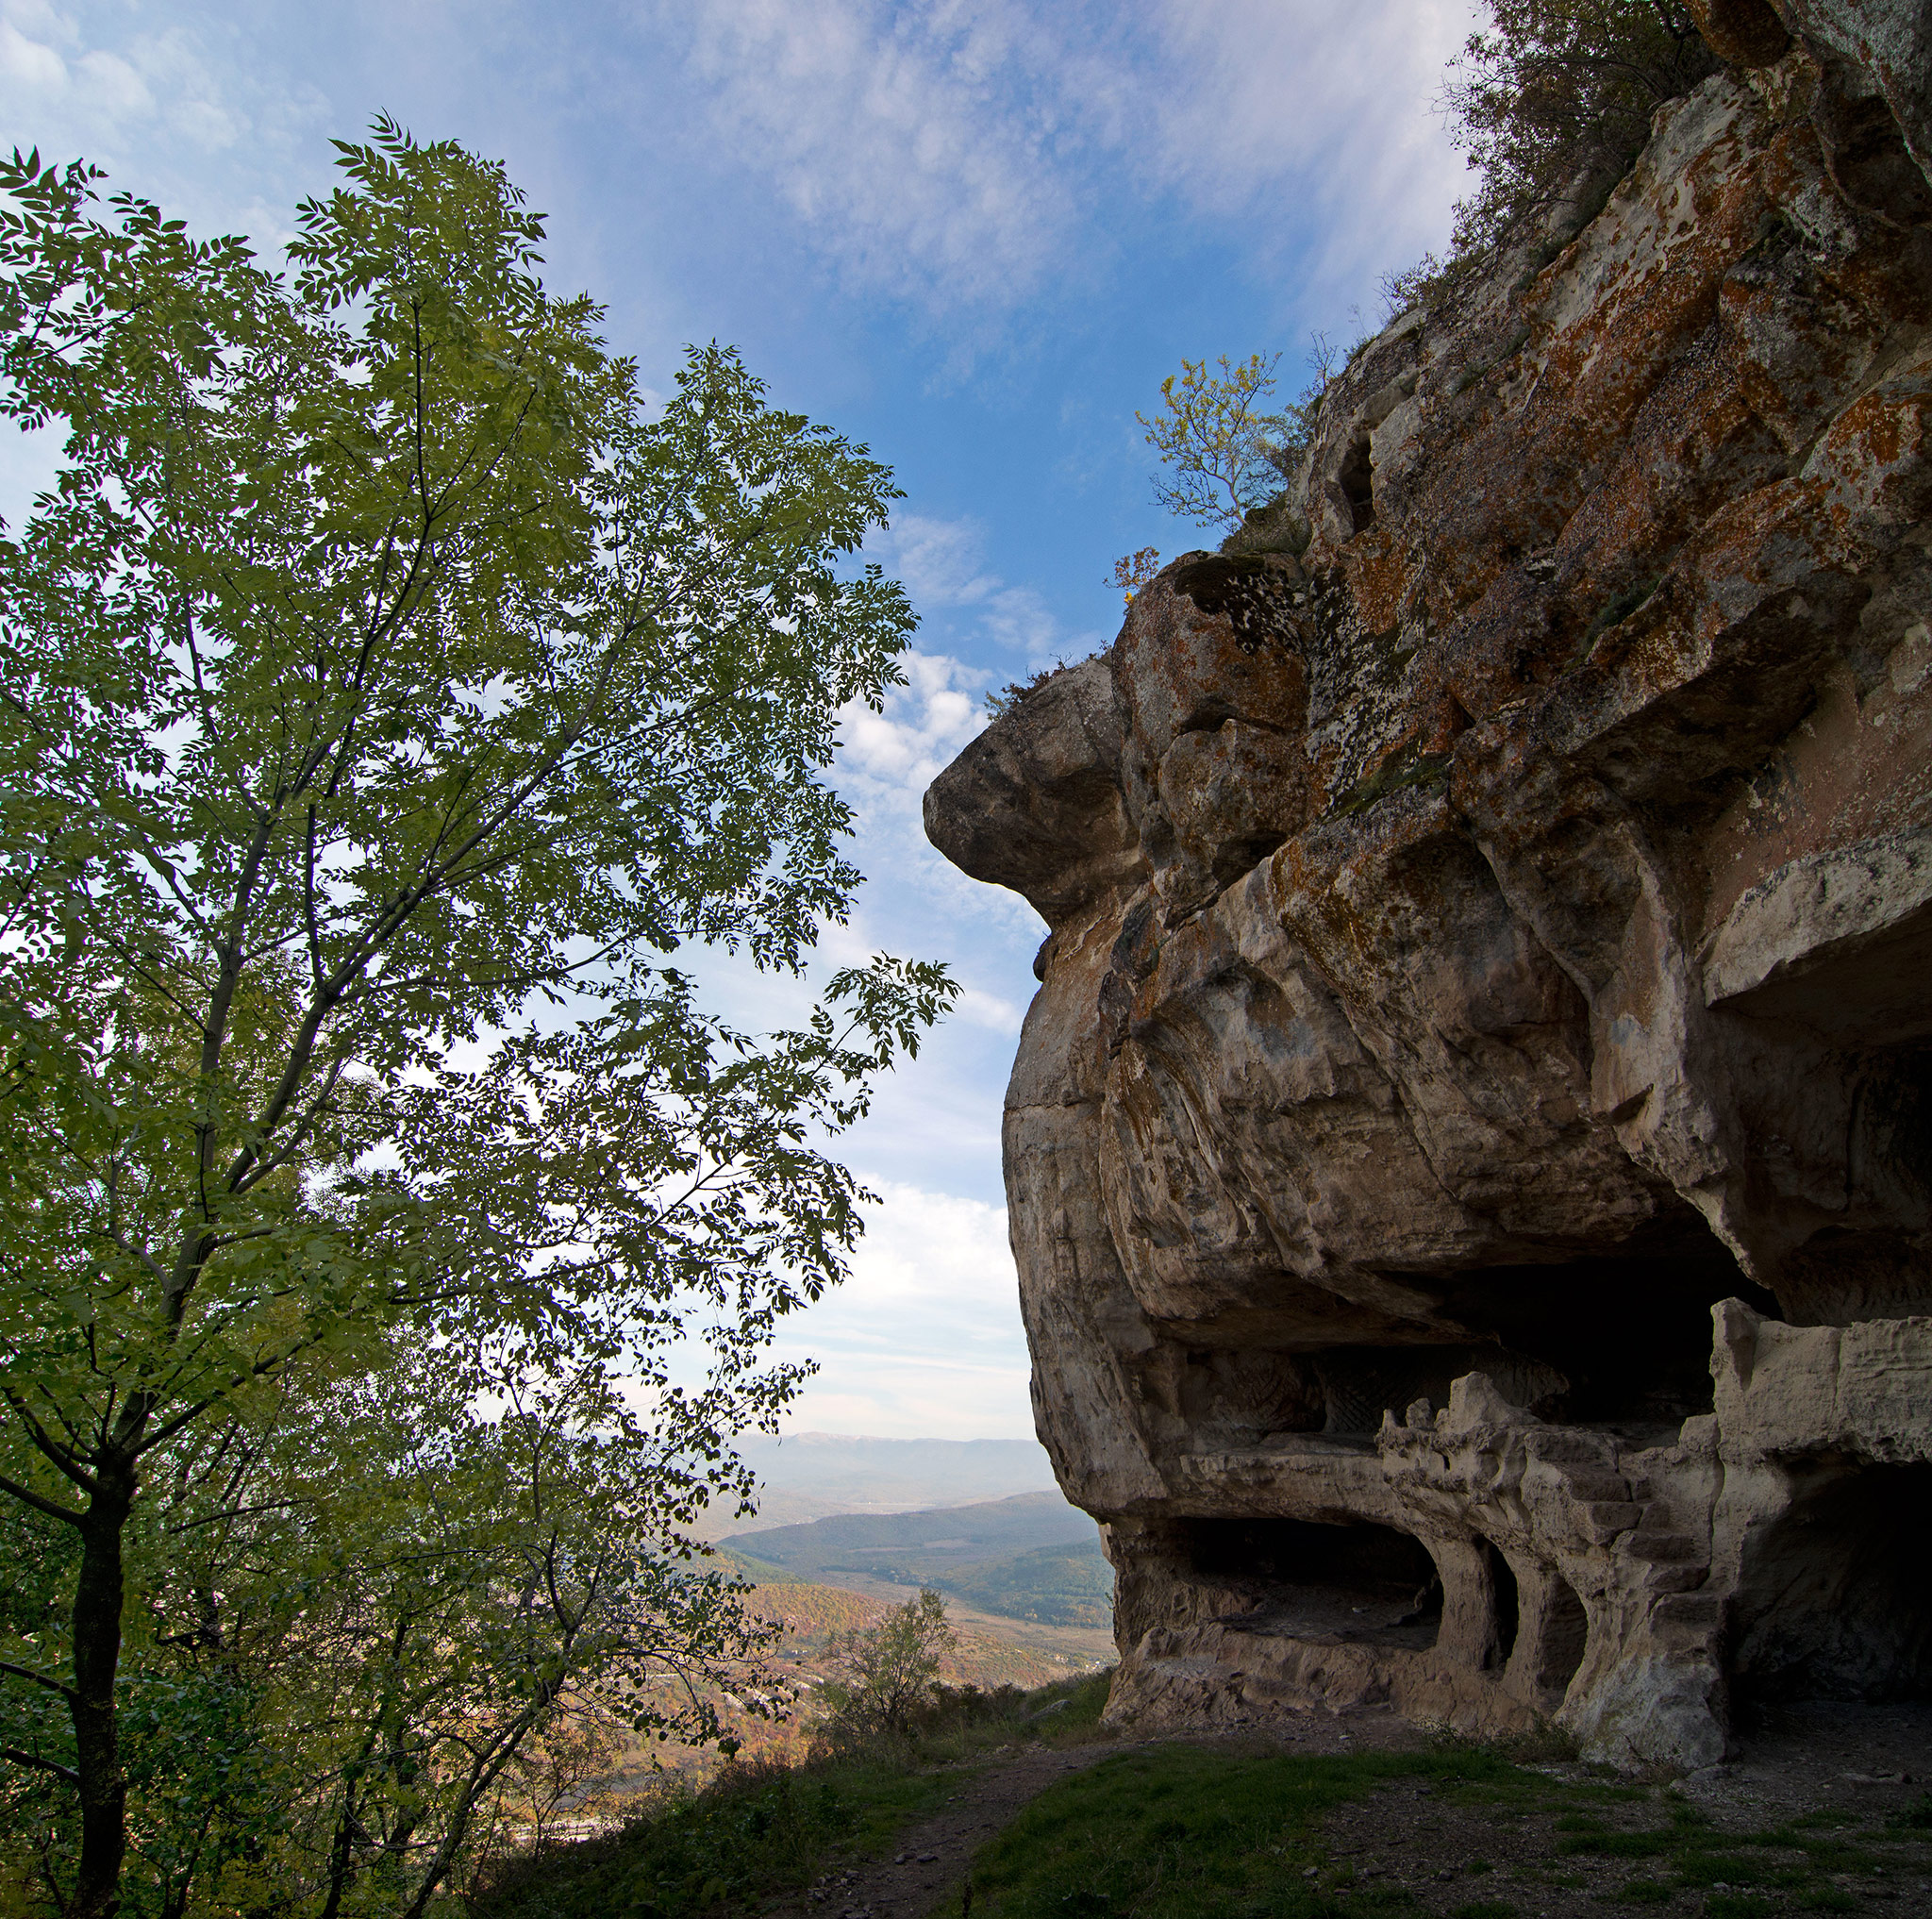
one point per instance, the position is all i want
(1838, 1776)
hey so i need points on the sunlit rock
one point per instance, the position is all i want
(1495, 947)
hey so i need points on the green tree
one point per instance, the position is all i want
(894, 1668)
(1552, 101)
(384, 697)
(1219, 447)
(373, 1616)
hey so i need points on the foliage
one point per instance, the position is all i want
(1552, 102)
(1009, 695)
(759, 1830)
(1132, 571)
(1222, 451)
(372, 1630)
(894, 1668)
(384, 698)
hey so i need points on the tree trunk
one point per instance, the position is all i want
(97, 1602)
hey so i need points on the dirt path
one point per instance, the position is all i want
(927, 1860)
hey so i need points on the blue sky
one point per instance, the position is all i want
(974, 234)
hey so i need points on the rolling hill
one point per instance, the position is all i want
(1031, 1557)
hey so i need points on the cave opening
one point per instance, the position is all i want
(1358, 1384)
(1560, 1642)
(1505, 1607)
(1356, 480)
(1835, 1595)
(1356, 1580)
(1629, 1329)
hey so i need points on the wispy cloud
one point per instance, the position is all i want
(942, 566)
(949, 152)
(182, 90)
(917, 141)
(940, 562)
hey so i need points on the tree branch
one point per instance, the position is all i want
(46, 1765)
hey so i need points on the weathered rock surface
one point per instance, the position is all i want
(1493, 946)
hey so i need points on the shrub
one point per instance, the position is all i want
(1553, 102)
(894, 1669)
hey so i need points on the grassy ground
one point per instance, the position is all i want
(760, 1830)
(1191, 1832)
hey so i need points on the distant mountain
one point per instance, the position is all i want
(953, 1535)
(1030, 1556)
(811, 1474)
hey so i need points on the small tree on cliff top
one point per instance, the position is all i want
(1218, 445)
(1552, 101)
(374, 672)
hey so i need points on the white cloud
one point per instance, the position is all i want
(31, 63)
(1021, 622)
(160, 97)
(989, 1009)
(1307, 94)
(951, 152)
(917, 141)
(113, 86)
(924, 725)
(940, 562)
(923, 1340)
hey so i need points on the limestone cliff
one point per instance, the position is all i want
(1492, 946)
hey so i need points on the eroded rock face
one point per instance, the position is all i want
(1494, 946)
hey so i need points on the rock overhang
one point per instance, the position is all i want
(1488, 953)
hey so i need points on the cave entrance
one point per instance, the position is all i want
(1629, 1330)
(1505, 1607)
(1353, 1580)
(1358, 1384)
(1356, 478)
(1562, 1632)
(1835, 1595)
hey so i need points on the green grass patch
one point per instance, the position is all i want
(1183, 1833)
(1186, 1832)
(1716, 1868)
(764, 1830)
(752, 1832)
(1826, 1819)
(757, 1830)
(1607, 1842)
